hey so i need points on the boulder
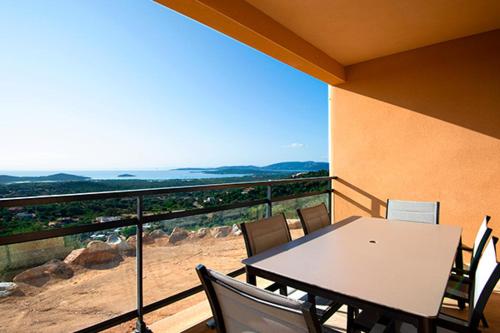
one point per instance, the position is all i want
(131, 241)
(121, 245)
(235, 230)
(96, 253)
(220, 232)
(147, 239)
(8, 289)
(202, 232)
(40, 275)
(157, 234)
(162, 241)
(177, 235)
(294, 224)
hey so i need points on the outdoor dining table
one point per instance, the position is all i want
(398, 268)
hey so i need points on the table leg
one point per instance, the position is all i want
(427, 325)
(459, 263)
(251, 278)
(459, 258)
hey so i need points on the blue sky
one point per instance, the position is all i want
(133, 85)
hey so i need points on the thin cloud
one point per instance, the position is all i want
(295, 145)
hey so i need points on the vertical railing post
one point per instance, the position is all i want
(330, 199)
(140, 326)
(269, 204)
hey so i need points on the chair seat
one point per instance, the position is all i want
(455, 289)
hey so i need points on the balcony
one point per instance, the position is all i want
(413, 115)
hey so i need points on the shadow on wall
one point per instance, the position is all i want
(376, 204)
(456, 82)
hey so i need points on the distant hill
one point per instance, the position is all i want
(282, 167)
(58, 177)
(298, 166)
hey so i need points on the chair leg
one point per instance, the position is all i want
(311, 299)
(483, 321)
(350, 319)
(461, 304)
(251, 279)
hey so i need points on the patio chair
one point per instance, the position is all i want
(262, 235)
(482, 236)
(314, 218)
(486, 277)
(241, 307)
(267, 233)
(413, 211)
(460, 280)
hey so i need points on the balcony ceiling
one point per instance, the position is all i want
(320, 37)
(356, 31)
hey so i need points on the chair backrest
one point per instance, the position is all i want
(413, 211)
(314, 218)
(265, 234)
(240, 307)
(485, 279)
(479, 243)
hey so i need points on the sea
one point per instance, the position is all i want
(114, 174)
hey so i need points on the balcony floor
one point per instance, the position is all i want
(193, 319)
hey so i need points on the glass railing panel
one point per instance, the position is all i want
(289, 208)
(66, 283)
(173, 248)
(33, 218)
(185, 201)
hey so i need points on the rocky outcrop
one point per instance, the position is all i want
(121, 245)
(95, 254)
(235, 230)
(8, 289)
(294, 224)
(157, 234)
(201, 233)
(220, 232)
(40, 275)
(131, 241)
(177, 235)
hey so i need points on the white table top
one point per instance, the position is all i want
(405, 268)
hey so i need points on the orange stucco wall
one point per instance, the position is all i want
(421, 125)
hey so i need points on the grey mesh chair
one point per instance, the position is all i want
(263, 235)
(313, 218)
(241, 307)
(267, 233)
(486, 277)
(413, 211)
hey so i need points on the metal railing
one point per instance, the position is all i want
(140, 219)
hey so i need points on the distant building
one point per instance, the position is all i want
(61, 221)
(25, 216)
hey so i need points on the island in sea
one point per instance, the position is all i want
(126, 175)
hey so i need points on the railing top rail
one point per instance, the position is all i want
(60, 198)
